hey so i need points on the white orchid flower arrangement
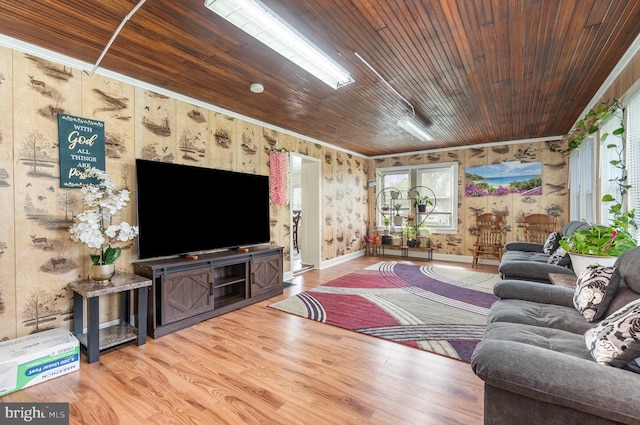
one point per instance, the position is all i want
(94, 227)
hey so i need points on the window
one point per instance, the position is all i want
(591, 174)
(581, 178)
(441, 179)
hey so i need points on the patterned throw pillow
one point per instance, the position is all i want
(595, 288)
(552, 243)
(559, 257)
(616, 340)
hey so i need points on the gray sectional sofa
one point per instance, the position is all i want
(527, 260)
(535, 362)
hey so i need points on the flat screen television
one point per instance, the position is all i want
(185, 209)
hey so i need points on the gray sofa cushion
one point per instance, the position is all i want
(557, 340)
(532, 266)
(558, 372)
(524, 246)
(539, 257)
(540, 315)
(527, 260)
(534, 291)
(574, 225)
(622, 298)
(629, 265)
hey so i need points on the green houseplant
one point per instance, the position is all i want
(612, 239)
(421, 202)
(600, 240)
(387, 222)
(397, 220)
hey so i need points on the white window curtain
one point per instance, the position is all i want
(574, 185)
(581, 182)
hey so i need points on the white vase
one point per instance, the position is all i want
(580, 262)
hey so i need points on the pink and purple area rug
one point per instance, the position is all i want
(442, 309)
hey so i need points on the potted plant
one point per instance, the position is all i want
(397, 220)
(410, 219)
(421, 202)
(598, 244)
(424, 230)
(95, 226)
(412, 240)
(601, 244)
(386, 237)
(387, 222)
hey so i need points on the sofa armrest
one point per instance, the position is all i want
(524, 246)
(557, 378)
(534, 291)
(530, 270)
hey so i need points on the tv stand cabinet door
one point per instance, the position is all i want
(185, 294)
(266, 274)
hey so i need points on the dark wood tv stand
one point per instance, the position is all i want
(186, 291)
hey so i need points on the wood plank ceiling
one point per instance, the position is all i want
(476, 71)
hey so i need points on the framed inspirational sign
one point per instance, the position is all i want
(81, 142)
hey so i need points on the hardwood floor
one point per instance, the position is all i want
(258, 365)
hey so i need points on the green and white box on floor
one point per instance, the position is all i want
(36, 358)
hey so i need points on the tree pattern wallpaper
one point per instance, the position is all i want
(37, 258)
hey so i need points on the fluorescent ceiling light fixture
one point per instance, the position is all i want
(265, 26)
(410, 126)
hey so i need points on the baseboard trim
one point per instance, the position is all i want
(396, 253)
(343, 258)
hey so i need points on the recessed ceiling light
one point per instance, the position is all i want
(257, 88)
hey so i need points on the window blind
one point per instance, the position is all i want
(609, 174)
(633, 156)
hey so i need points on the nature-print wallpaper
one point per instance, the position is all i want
(553, 200)
(37, 258)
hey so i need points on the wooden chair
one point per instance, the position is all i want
(537, 227)
(489, 237)
(296, 223)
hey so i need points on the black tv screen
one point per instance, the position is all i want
(185, 209)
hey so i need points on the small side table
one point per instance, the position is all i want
(96, 339)
(561, 279)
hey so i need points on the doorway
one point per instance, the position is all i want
(305, 213)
